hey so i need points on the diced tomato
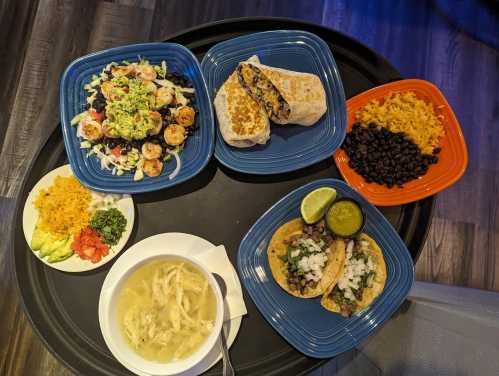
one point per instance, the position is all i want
(88, 251)
(88, 245)
(97, 116)
(116, 151)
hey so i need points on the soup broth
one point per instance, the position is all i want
(166, 310)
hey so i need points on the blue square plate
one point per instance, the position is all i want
(304, 323)
(199, 146)
(290, 147)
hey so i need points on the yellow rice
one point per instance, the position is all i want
(64, 207)
(404, 112)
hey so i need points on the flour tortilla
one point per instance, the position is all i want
(243, 123)
(278, 248)
(370, 293)
(303, 92)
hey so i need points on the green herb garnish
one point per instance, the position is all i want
(110, 224)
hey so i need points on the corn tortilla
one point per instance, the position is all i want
(369, 293)
(277, 248)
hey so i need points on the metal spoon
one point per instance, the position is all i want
(228, 369)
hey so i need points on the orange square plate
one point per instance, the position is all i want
(452, 160)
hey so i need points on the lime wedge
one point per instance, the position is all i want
(314, 205)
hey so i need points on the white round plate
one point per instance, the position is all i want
(169, 243)
(74, 263)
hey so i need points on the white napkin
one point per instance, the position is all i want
(217, 261)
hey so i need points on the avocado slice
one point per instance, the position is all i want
(50, 245)
(61, 253)
(39, 237)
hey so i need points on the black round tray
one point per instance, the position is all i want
(215, 205)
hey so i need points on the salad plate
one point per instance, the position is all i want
(85, 70)
(304, 323)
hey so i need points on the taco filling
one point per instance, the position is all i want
(306, 257)
(359, 274)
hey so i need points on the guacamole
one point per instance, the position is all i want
(128, 114)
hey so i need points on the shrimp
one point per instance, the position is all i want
(91, 130)
(146, 72)
(151, 151)
(174, 134)
(164, 96)
(158, 122)
(107, 89)
(152, 167)
(122, 70)
(149, 86)
(185, 116)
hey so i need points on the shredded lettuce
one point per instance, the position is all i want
(76, 120)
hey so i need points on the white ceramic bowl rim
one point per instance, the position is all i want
(120, 271)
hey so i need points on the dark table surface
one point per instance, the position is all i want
(421, 38)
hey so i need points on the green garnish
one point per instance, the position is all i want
(292, 262)
(110, 224)
(337, 296)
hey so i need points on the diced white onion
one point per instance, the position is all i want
(79, 131)
(178, 167)
(104, 165)
(168, 83)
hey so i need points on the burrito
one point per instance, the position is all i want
(361, 280)
(288, 97)
(243, 123)
(304, 260)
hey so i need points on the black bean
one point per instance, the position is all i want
(164, 111)
(385, 157)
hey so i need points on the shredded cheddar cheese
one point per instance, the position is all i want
(64, 207)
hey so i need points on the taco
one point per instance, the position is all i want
(304, 259)
(361, 280)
